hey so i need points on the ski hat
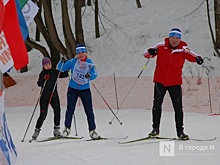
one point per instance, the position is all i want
(80, 48)
(46, 61)
(175, 32)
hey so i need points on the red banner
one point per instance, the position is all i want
(14, 37)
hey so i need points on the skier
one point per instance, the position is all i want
(171, 55)
(48, 82)
(82, 71)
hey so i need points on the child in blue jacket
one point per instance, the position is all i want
(82, 71)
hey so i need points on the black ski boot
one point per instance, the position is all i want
(36, 133)
(154, 133)
(182, 136)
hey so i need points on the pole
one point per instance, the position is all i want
(208, 76)
(210, 99)
(74, 117)
(116, 95)
(106, 103)
(42, 89)
(144, 67)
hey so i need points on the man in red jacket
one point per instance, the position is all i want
(171, 55)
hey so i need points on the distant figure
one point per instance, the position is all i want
(82, 72)
(48, 82)
(171, 55)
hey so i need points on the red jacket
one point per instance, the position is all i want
(170, 62)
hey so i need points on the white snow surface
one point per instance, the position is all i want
(126, 32)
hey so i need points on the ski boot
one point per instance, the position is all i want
(154, 133)
(182, 136)
(66, 132)
(56, 131)
(36, 133)
(94, 135)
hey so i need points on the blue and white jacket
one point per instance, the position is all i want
(78, 70)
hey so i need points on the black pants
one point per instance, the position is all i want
(55, 103)
(175, 93)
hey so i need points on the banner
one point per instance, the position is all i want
(5, 2)
(13, 36)
(22, 3)
(8, 153)
(2, 14)
(6, 61)
(22, 23)
(29, 11)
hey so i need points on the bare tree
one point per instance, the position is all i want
(210, 27)
(217, 22)
(47, 28)
(37, 35)
(78, 22)
(67, 31)
(97, 34)
(89, 3)
(138, 3)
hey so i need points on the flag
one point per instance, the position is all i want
(5, 2)
(6, 61)
(13, 36)
(22, 23)
(2, 14)
(8, 153)
(29, 11)
(22, 3)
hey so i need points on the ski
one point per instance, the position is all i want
(106, 138)
(146, 138)
(164, 138)
(59, 138)
(211, 139)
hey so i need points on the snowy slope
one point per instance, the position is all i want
(136, 124)
(127, 32)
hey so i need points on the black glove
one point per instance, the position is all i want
(87, 75)
(199, 60)
(63, 59)
(152, 51)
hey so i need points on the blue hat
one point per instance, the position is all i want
(175, 32)
(80, 48)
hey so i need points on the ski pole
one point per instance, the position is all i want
(74, 117)
(106, 103)
(208, 76)
(116, 95)
(34, 110)
(144, 67)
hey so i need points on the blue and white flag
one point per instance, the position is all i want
(29, 11)
(22, 22)
(8, 153)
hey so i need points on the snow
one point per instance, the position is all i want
(119, 50)
(136, 124)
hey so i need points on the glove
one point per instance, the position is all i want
(87, 75)
(199, 60)
(152, 51)
(46, 76)
(63, 59)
